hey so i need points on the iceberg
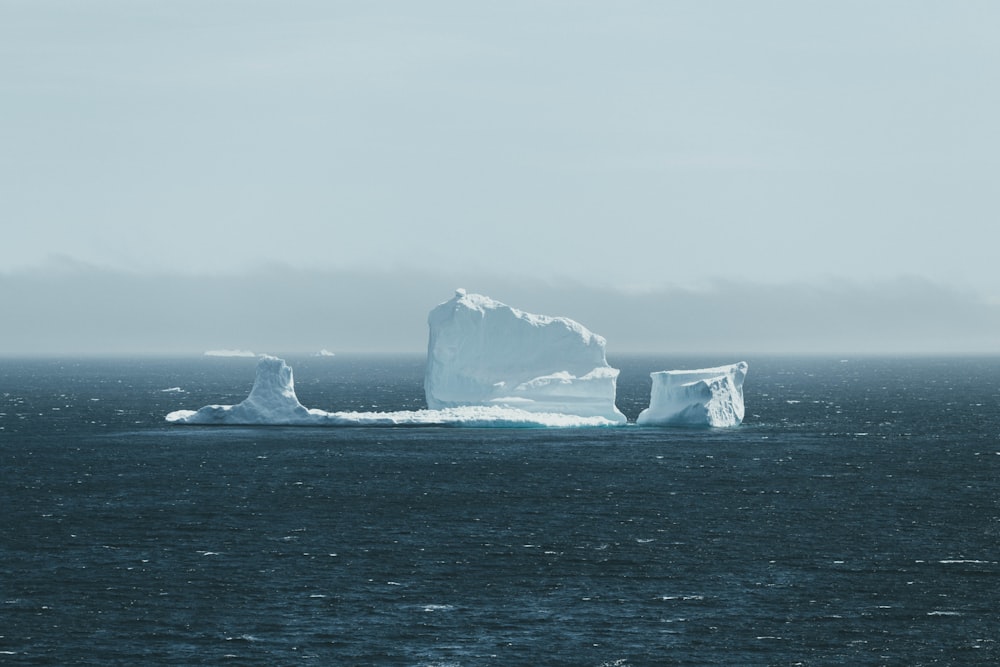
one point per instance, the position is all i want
(703, 397)
(482, 352)
(489, 364)
(272, 401)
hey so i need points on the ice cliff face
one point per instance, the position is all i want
(704, 397)
(484, 353)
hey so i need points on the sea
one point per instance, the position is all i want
(852, 519)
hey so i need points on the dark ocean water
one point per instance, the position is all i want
(853, 519)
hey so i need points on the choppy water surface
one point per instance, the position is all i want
(853, 519)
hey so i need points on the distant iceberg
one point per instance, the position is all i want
(702, 397)
(272, 401)
(229, 353)
(484, 353)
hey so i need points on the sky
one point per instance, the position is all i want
(680, 176)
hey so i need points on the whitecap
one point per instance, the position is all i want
(953, 561)
(682, 598)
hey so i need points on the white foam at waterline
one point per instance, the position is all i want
(467, 416)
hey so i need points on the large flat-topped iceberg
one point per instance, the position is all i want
(484, 353)
(272, 401)
(703, 397)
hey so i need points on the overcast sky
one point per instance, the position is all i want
(732, 177)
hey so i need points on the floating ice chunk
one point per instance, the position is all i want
(484, 353)
(704, 397)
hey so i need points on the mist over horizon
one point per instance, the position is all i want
(725, 178)
(84, 310)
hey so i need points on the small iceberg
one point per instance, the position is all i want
(702, 397)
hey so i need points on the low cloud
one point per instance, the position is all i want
(77, 309)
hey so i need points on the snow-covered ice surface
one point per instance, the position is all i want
(272, 401)
(703, 397)
(484, 353)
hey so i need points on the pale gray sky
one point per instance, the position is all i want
(770, 165)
